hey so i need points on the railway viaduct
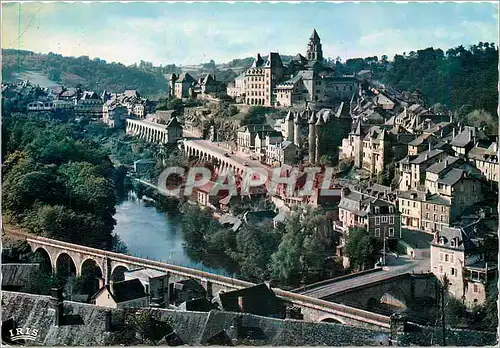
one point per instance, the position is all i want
(110, 264)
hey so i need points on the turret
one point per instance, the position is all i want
(312, 138)
(289, 126)
(318, 126)
(296, 131)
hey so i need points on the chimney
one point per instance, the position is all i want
(240, 303)
(107, 320)
(58, 303)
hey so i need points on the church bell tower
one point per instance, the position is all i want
(314, 50)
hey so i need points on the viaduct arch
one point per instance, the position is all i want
(313, 309)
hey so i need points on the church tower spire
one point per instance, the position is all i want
(314, 50)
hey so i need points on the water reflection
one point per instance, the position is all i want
(153, 235)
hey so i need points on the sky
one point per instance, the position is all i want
(193, 33)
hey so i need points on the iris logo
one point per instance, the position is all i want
(25, 334)
(13, 335)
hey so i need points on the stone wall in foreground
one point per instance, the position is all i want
(89, 325)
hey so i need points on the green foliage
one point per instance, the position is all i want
(197, 225)
(40, 283)
(255, 115)
(360, 248)
(301, 254)
(94, 74)
(254, 247)
(56, 183)
(455, 78)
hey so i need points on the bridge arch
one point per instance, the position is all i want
(331, 319)
(65, 266)
(117, 272)
(43, 256)
(92, 275)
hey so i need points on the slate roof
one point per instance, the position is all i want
(439, 167)
(424, 138)
(273, 60)
(200, 304)
(468, 235)
(466, 136)
(258, 299)
(314, 35)
(453, 176)
(426, 155)
(185, 77)
(128, 290)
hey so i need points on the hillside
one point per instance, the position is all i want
(462, 79)
(95, 74)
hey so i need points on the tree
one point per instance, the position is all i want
(197, 225)
(301, 253)
(255, 115)
(359, 248)
(254, 246)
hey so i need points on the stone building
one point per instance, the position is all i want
(382, 146)
(304, 80)
(124, 294)
(467, 138)
(89, 105)
(236, 88)
(246, 136)
(379, 217)
(285, 152)
(411, 171)
(209, 87)
(181, 86)
(261, 79)
(467, 255)
(486, 160)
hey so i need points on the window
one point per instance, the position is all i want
(451, 258)
(377, 220)
(377, 232)
(391, 219)
(452, 242)
(426, 215)
(440, 268)
(473, 188)
(391, 231)
(441, 257)
(414, 204)
(435, 217)
(384, 219)
(377, 210)
(391, 209)
(446, 257)
(453, 272)
(476, 288)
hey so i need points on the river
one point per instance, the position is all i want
(153, 235)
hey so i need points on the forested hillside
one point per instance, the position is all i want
(93, 74)
(462, 79)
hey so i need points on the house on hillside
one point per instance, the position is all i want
(124, 294)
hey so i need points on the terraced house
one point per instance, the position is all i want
(379, 217)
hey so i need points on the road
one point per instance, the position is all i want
(395, 266)
(220, 149)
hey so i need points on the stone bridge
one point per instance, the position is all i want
(403, 288)
(149, 131)
(111, 264)
(221, 156)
